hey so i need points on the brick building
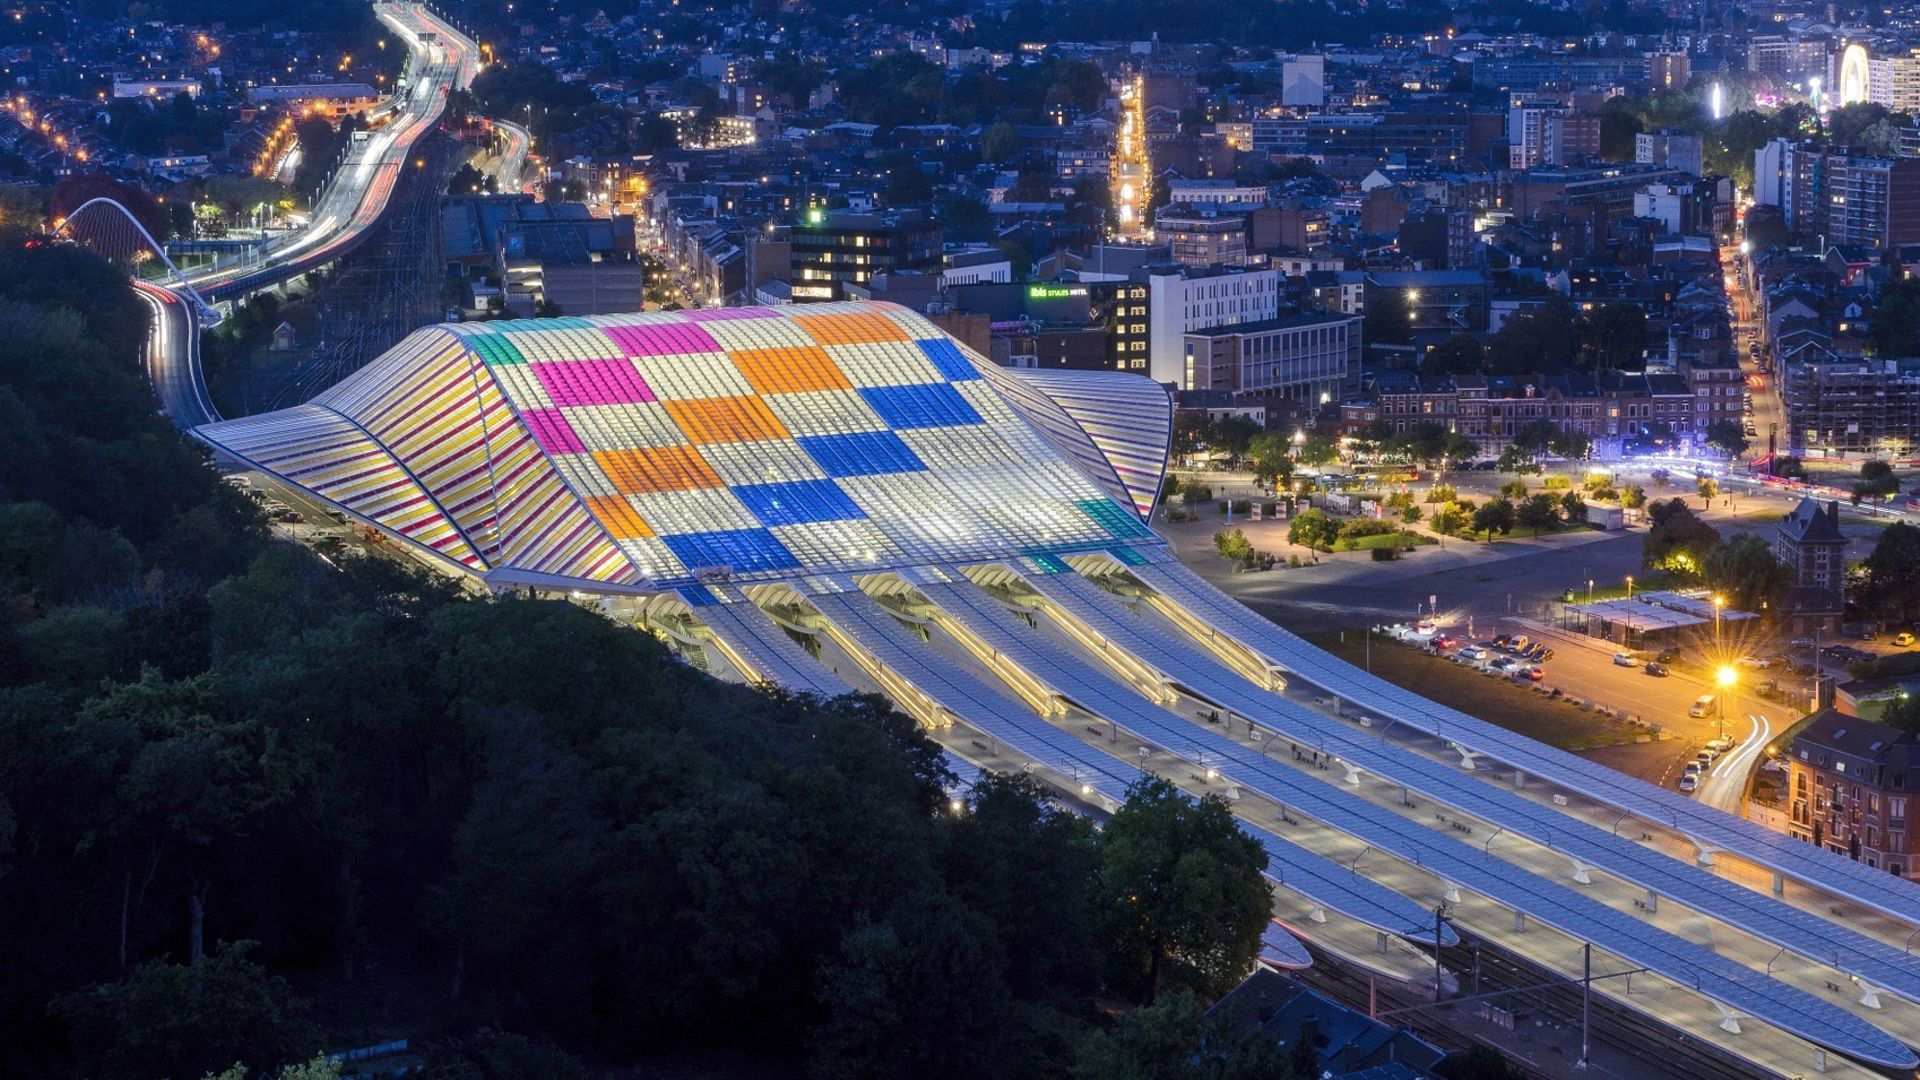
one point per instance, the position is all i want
(1850, 782)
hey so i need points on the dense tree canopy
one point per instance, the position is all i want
(1891, 585)
(1678, 541)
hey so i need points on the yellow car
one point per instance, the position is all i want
(1903, 639)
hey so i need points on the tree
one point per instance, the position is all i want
(963, 218)
(1180, 885)
(188, 1019)
(1896, 321)
(1614, 338)
(1461, 354)
(1272, 457)
(318, 1068)
(1517, 459)
(1633, 496)
(1708, 487)
(1233, 546)
(1573, 507)
(1388, 319)
(1747, 571)
(1514, 489)
(1313, 528)
(907, 183)
(1496, 516)
(1027, 864)
(1458, 449)
(1902, 713)
(1876, 482)
(1441, 493)
(1542, 339)
(919, 994)
(1412, 515)
(1678, 541)
(1450, 519)
(1232, 435)
(1000, 143)
(1727, 436)
(1890, 583)
(1174, 1039)
(1318, 450)
(1539, 512)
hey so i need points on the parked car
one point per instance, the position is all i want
(1722, 744)
(1669, 654)
(1903, 639)
(1502, 641)
(1536, 673)
(1689, 782)
(1520, 644)
(1655, 667)
(1755, 663)
(1471, 652)
(1801, 643)
(1621, 659)
(1705, 758)
(1701, 706)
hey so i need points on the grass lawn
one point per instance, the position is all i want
(1393, 539)
(1495, 700)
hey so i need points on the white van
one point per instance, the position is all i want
(1702, 705)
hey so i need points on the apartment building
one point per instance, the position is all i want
(1182, 299)
(1850, 784)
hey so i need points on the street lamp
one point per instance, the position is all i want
(1629, 586)
(1726, 677)
(1589, 590)
(1718, 603)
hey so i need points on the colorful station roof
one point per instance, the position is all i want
(648, 451)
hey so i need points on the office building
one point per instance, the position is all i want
(833, 247)
(1309, 357)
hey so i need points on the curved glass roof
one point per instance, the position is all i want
(652, 450)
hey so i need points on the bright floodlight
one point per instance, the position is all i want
(1719, 102)
(1726, 676)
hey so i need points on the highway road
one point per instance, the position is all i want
(510, 175)
(441, 59)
